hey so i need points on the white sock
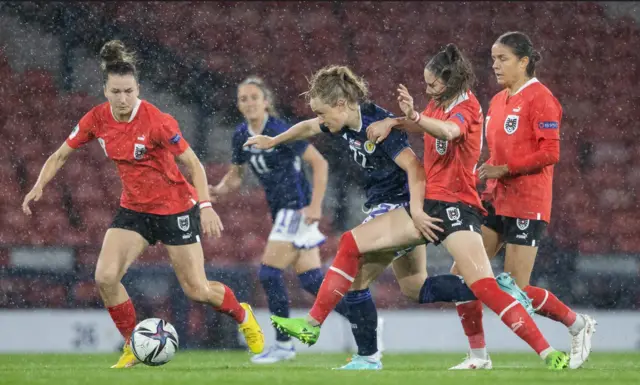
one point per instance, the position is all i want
(546, 352)
(577, 325)
(480, 353)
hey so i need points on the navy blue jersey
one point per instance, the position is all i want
(385, 181)
(279, 169)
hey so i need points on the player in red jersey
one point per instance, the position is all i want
(452, 123)
(522, 128)
(157, 203)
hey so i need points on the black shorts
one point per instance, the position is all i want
(176, 229)
(515, 231)
(455, 217)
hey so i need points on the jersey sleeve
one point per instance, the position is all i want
(395, 143)
(83, 132)
(237, 153)
(463, 115)
(170, 137)
(545, 115)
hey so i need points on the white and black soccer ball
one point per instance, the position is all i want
(154, 342)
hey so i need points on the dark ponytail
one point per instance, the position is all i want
(521, 46)
(117, 60)
(454, 70)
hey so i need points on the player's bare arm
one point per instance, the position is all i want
(434, 127)
(409, 162)
(299, 131)
(50, 168)
(320, 167)
(231, 182)
(211, 223)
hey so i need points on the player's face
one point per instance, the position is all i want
(334, 118)
(122, 92)
(506, 65)
(435, 85)
(251, 102)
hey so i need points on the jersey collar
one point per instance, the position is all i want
(134, 112)
(525, 85)
(461, 98)
(264, 124)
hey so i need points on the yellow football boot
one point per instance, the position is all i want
(252, 331)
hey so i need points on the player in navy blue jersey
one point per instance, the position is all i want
(295, 207)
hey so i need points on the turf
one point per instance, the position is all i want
(230, 368)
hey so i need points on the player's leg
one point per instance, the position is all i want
(468, 252)
(188, 263)
(127, 238)
(522, 238)
(470, 312)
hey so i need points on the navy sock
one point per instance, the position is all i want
(311, 281)
(445, 288)
(363, 316)
(273, 284)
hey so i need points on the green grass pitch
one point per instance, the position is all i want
(228, 368)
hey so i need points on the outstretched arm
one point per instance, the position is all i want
(299, 131)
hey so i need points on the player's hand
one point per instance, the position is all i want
(405, 100)
(426, 225)
(210, 222)
(312, 214)
(261, 142)
(34, 195)
(488, 171)
(378, 131)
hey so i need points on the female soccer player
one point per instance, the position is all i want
(295, 208)
(387, 191)
(157, 204)
(522, 128)
(452, 121)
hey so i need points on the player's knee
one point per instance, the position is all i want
(107, 279)
(196, 292)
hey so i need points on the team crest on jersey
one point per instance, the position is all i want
(522, 224)
(511, 124)
(74, 132)
(369, 147)
(441, 146)
(183, 222)
(453, 213)
(138, 151)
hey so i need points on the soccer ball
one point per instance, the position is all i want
(154, 342)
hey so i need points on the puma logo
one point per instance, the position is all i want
(517, 109)
(517, 325)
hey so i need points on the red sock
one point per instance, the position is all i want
(550, 306)
(510, 312)
(124, 316)
(471, 318)
(230, 306)
(338, 279)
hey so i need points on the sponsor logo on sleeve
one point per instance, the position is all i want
(548, 125)
(459, 117)
(175, 139)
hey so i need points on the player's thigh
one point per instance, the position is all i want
(469, 255)
(492, 244)
(519, 261)
(371, 266)
(388, 232)
(120, 248)
(308, 259)
(279, 254)
(411, 271)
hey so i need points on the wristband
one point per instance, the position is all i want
(416, 116)
(205, 204)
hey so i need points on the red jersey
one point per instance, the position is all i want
(523, 132)
(143, 149)
(450, 165)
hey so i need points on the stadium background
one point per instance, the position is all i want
(193, 54)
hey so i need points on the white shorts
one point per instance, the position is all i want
(384, 208)
(289, 226)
